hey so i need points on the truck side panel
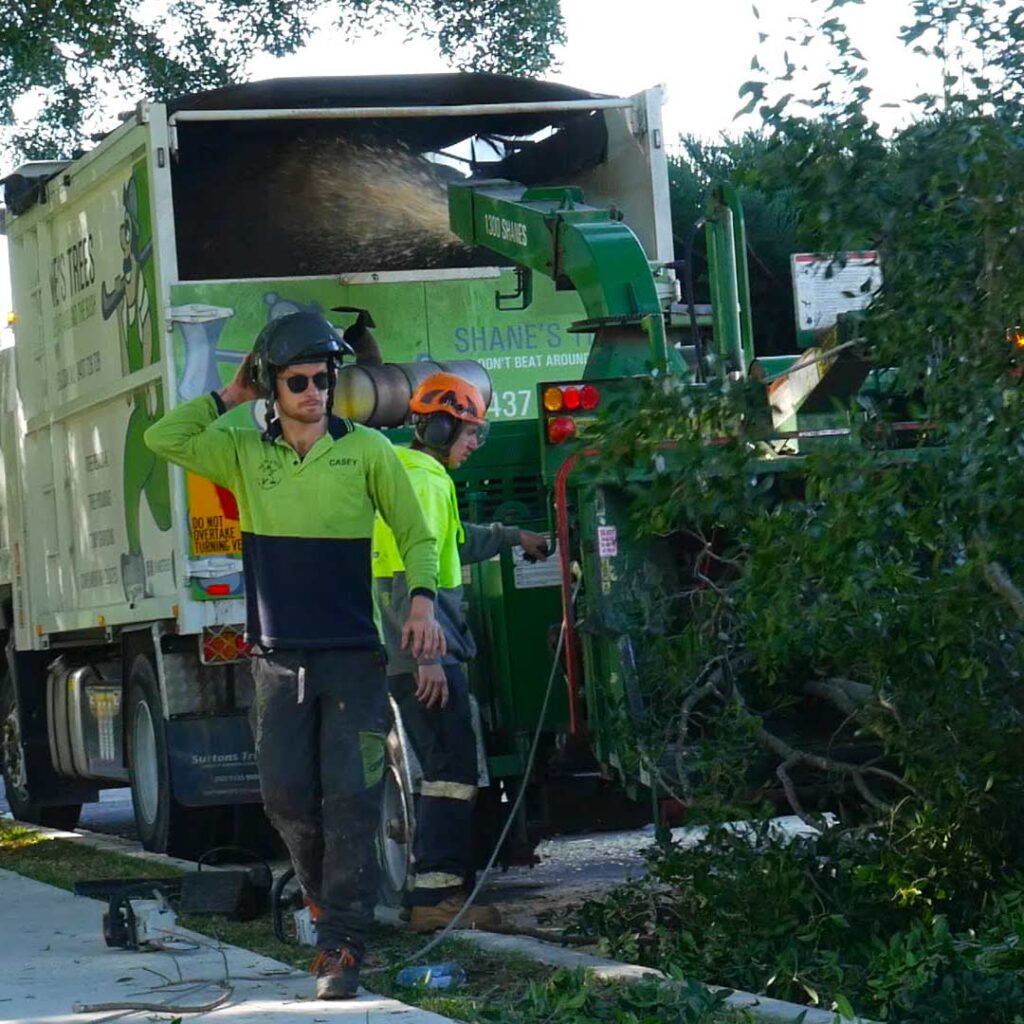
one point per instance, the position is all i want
(88, 347)
(435, 317)
(25, 390)
(7, 442)
(438, 316)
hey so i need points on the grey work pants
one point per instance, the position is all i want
(321, 724)
(445, 744)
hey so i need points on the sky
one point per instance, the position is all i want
(699, 51)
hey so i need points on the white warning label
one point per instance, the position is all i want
(607, 541)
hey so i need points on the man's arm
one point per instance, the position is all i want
(483, 542)
(393, 496)
(183, 436)
(435, 505)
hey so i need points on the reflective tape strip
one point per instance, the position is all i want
(452, 790)
(438, 880)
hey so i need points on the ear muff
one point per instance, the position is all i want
(437, 431)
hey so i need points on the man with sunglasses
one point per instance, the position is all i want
(449, 420)
(308, 489)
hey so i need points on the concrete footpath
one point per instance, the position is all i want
(53, 959)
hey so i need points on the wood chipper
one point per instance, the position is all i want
(641, 336)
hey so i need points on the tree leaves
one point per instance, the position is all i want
(79, 55)
(755, 90)
(893, 565)
(873, 568)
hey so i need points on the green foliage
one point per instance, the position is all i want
(514, 37)
(571, 997)
(771, 224)
(826, 922)
(79, 55)
(837, 624)
(875, 562)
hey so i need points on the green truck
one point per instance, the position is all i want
(141, 273)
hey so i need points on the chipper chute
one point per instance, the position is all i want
(551, 230)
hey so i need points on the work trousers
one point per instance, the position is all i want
(445, 745)
(321, 724)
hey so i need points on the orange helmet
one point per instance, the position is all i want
(451, 395)
(440, 404)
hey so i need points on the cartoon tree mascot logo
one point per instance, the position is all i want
(131, 299)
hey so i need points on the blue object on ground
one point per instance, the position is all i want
(444, 975)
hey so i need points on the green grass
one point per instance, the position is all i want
(502, 988)
(62, 862)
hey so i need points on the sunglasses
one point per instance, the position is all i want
(298, 382)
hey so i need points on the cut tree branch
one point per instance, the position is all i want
(850, 697)
(847, 695)
(717, 680)
(865, 791)
(790, 790)
(999, 580)
(791, 757)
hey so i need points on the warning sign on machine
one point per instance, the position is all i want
(825, 286)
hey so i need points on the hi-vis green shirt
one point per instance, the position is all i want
(457, 544)
(435, 491)
(306, 523)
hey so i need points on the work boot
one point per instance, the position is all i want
(429, 919)
(337, 974)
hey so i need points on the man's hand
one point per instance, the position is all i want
(242, 387)
(422, 636)
(431, 686)
(534, 545)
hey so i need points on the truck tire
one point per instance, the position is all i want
(164, 825)
(397, 826)
(12, 764)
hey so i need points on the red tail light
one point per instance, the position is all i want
(571, 399)
(561, 429)
(219, 589)
(590, 397)
(222, 644)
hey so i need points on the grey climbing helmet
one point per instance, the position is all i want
(302, 337)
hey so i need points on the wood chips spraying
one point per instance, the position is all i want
(354, 206)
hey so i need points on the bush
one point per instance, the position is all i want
(816, 921)
(849, 630)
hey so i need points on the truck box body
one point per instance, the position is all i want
(6, 403)
(92, 537)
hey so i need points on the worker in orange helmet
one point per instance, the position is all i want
(432, 694)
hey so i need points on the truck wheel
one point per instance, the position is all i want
(164, 825)
(12, 763)
(148, 770)
(397, 826)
